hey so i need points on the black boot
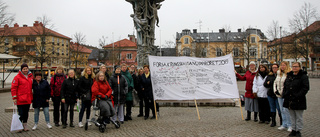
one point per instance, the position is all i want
(273, 119)
(71, 124)
(255, 116)
(248, 116)
(293, 133)
(298, 134)
(280, 118)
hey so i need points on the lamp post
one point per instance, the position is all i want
(281, 58)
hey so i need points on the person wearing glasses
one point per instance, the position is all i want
(296, 86)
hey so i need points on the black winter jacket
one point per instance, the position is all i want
(119, 97)
(41, 93)
(84, 88)
(147, 86)
(295, 89)
(69, 90)
(271, 77)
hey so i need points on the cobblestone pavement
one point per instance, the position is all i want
(176, 121)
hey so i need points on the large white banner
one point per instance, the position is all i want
(189, 78)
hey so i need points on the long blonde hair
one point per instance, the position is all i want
(288, 69)
(85, 74)
(59, 67)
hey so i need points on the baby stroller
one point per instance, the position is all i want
(99, 118)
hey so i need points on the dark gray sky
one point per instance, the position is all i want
(97, 18)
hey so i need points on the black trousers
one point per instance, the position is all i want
(264, 109)
(85, 105)
(56, 109)
(129, 105)
(65, 114)
(23, 111)
(149, 104)
(141, 100)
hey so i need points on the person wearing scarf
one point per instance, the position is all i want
(261, 92)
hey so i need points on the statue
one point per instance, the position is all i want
(145, 17)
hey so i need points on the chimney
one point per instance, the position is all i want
(194, 30)
(41, 24)
(132, 38)
(239, 30)
(221, 30)
(16, 25)
(36, 23)
(24, 25)
(6, 26)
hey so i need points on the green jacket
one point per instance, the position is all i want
(129, 79)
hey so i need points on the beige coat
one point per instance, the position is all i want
(279, 83)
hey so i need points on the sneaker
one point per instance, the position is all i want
(281, 128)
(34, 127)
(80, 124)
(49, 125)
(89, 124)
(289, 129)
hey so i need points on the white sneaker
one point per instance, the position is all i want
(34, 127)
(289, 129)
(281, 128)
(89, 124)
(49, 125)
(80, 124)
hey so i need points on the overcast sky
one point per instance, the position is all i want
(97, 18)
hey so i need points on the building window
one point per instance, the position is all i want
(34, 61)
(62, 42)
(265, 52)
(29, 39)
(129, 56)
(119, 56)
(186, 52)
(186, 40)
(58, 50)
(43, 39)
(19, 39)
(252, 51)
(219, 52)
(67, 51)
(52, 49)
(19, 48)
(6, 40)
(235, 52)
(253, 39)
(52, 39)
(204, 52)
(62, 52)
(58, 40)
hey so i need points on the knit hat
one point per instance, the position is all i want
(252, 62)
(24, 65)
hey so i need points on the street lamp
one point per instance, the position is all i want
(280, 45)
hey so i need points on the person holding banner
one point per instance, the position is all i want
(251, 103)
(146, 87)
(261, 91)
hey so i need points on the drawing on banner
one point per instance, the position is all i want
(184, 78)
(217, 87)
(159, 92)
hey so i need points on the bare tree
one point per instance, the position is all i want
(103, 41)
(36, 46)
(299, 23)
(77, 48)
(6, 19)
(274, 33)
(226, 36)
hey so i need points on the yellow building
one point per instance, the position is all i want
(36, 45)
(79, 55)
(247, 46)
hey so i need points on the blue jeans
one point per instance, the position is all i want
(46, 114)
(286, 122)
(274, 104)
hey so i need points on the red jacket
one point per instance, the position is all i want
(249, 76)
(56, 83)
(21, 88)
(100, 88)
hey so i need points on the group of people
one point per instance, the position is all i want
(283, 88)
(115, 94)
